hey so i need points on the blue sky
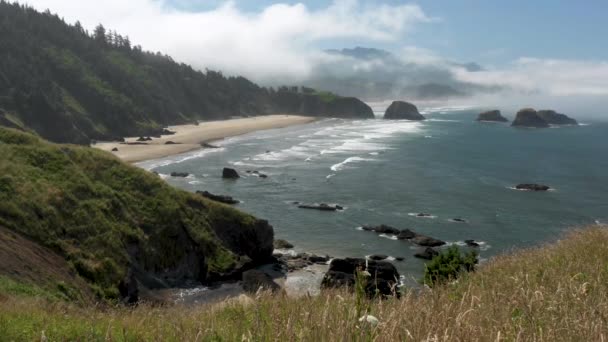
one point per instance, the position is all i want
(492, 32)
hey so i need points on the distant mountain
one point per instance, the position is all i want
(70, 85)
(378, 74)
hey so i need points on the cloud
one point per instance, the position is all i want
(276, 42)
(551, 77)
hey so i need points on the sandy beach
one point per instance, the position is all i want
(189, 137)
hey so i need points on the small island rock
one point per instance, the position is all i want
(229, 173)
(401, 110)
(529, 117)
(492, 115)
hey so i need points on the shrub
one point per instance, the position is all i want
(448, 265)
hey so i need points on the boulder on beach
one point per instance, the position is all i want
(382, 277)
(255, 280)
(282, 244)
(554, 118)
(207, 145)
(218, 198)
(493, 116)
(401, 110)
(172, 143)
(180, 174)
(427, 241)
(229, 173)
(427, 254)
(115, 149)
(532, 187)
(321, 207)
(529, 117)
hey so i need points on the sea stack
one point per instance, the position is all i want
(401, 110)
(529, 117)
(554, 118)
(492, 116)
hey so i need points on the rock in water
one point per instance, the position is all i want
(322, 207)
(180, 174)
(492, 115)
(427, 254)
(401, 110)
(554, 118)
(528, 117)
(254, 280)
(382, 277)
(382, 229)
(532, 187)
(406, 234)
(378, 257)
(427, 241)
(229, 173)
(471, 243)
(218, 198)
(282, 244)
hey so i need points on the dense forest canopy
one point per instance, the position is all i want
(70, 85)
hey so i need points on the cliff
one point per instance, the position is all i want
(119, 228)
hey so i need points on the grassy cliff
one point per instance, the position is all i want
(120, 228)
(556, 292)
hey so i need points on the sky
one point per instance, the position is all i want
(552, 48)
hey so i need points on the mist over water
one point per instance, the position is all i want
(384, 171)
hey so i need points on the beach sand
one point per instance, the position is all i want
(189, 137)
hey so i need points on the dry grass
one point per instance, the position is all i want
(557, 292)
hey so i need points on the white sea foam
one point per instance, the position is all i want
(180, 158)
(427, 217)
(483, 246)
(390, 237)
(341, 166)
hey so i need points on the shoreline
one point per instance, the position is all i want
(190, 137)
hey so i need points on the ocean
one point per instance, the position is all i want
(385, 172)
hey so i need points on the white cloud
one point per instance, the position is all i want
(552, 77)
(277, 42)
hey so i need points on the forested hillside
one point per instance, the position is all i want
(71, 85)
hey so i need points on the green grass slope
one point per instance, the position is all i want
(557, 292)
(119, 227)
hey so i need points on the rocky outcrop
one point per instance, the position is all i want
(321, 207)
(228, 173)
(529, 117)
(471, 243)
(427, 254)
(254, 240)
(256, 280)
(322, 104)
(294, 262)
(180, 174)
(381, 277)
(218, 198)
(554, 118)
(401, 110)
(532, 187)
(382, 229)
(282, 244)
(492, 115)
(405, 234)
(426, 241)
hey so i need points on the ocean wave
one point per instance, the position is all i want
(341, 166)
(180, 158)
(483, 245)
(390, 237)
(426, 216)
